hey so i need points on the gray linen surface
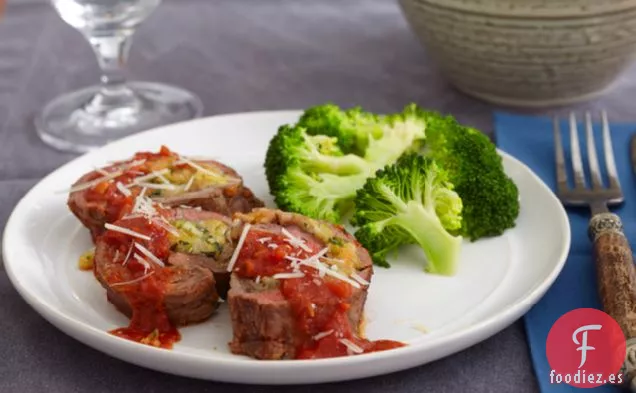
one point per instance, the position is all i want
(238, 55)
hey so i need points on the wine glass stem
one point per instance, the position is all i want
(112, 56)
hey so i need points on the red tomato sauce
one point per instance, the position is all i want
(149, 323)
(320, 304)
(116, 204)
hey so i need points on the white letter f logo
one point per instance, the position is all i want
(584, 347)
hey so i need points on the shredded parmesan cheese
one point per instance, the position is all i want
(131, 216)
(130, 250)
(359, 279)
(341, 277)
(314, 261)
(126, 231)
(123, 189)
(129, 165)
(157, 186)
(149, 176)
(295, 241)
(282, 276)
(315, 258)
(144, 206)
(133, 281)
(162, 222)
(139, 199)
(322, 335)
(163, 179)
(273, 246)
(198, 167)
(351, 347)
(189, 183)
(95, 182)
(150, 255)
(107, 176)
(239, 245)
(294, 261)
(264, 240)
(141, 260)
(258, 279)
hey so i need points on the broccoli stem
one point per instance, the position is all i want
(440, 247)
(324, 192)
(338, 165)
(329, 186)
(400, 138)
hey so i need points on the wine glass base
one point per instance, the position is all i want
(71, 122)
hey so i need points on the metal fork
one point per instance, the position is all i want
(616, 274)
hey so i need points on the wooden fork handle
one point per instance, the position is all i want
(616, 277)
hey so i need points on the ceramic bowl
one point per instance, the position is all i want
(527, 52)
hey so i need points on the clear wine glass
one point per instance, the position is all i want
(92, 117)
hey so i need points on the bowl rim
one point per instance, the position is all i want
(497, 8)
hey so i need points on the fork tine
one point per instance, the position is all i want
(561, 174)
(595, 172)
(612, 173)
(575, 152)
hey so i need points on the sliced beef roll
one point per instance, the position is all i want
(107, 194)
(298, 288)
(164, 268)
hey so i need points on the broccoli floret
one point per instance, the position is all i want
(309, 174)
(490, 197)
(352, 128)
(379, 138)
(401, 133)
(318, 153)
(312, 174)
(323, 196)
(410, 202)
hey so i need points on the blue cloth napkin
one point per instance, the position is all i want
(530, 139)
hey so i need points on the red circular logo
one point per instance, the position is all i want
(585, 349)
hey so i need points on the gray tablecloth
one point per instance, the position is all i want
(238, 55)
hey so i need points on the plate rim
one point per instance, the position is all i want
(98, 339)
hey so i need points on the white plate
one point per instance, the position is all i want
(498, 281)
